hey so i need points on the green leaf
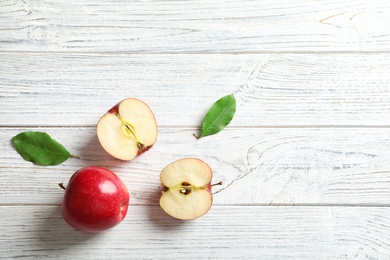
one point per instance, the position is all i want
(40, 148)
(219, 115)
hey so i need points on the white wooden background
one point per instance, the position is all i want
(305, 162)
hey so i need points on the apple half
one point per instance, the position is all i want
(186, 188)
(128, 129)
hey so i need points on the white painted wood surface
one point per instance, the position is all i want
(305, 162)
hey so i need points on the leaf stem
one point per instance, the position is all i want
(197, 136)
(75, 156)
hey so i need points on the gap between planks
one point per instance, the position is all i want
(195, 128)
(307, 205)
(146, 53)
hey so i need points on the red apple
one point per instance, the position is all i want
(128, 129)
(95, 200)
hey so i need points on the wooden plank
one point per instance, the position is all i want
(194, 26)
(304, 163)
(225, 232)
(271, 90)
(258, 166)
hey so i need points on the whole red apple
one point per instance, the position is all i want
(95, 200)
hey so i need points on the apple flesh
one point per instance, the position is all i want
(128, 129)
(95, 200)
(186, 188)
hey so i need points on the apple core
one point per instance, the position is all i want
(128, 129)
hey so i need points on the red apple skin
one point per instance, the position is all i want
(114, 109)
(95, 200)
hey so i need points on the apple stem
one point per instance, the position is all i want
(62, 186)
(215, 184)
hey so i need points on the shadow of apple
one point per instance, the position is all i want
(93, 154)
(158, 217)
(54, 234)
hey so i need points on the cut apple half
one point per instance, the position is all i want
(128, 129)
(186, 188)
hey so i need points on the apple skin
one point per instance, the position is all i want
(95, 200)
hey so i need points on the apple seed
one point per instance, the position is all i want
(185, 191)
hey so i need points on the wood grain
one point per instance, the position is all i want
(304, 163)
(194, 26)
(273, 166)
(225, 232)
(271, 90)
